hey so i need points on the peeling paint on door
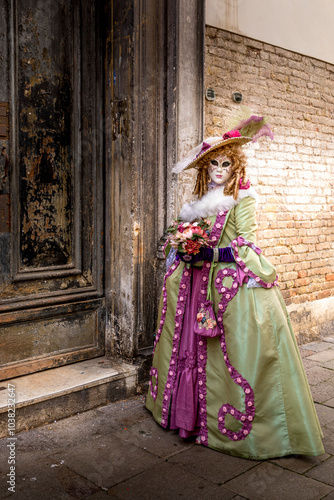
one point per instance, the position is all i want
(51, 185)
(45, 140)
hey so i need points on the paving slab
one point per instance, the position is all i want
(168, 481)
(268, 481)
(323, 391)
(316, 346)
(323, 356)
(323, 472)
(316, 374)
(328, 442)
(28, 446)
(329, 339)
(308, 363)
(325, 414)
(45, 479)
(107, 461)
(300, 464)
(330, 496)
(330, 403)
(329, 364)
(66, 432)
(328, 429)
(305, 352)
(102, 495)
(94, 423)
(124, 414)
(211, 465)
(150, 436)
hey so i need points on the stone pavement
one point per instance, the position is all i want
(118, 451)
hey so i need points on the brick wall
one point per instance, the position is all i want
(294, 175)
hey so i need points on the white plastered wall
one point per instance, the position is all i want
(303, 26)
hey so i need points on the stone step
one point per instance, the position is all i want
(57, 393)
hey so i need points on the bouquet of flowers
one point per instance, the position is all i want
(189, 237)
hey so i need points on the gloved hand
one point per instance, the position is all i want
(206, 254)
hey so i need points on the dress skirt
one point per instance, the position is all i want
(243, 392)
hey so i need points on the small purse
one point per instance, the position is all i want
(206, 323)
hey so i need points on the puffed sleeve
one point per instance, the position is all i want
(247, 255)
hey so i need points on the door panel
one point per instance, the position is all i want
(51, 201)
(46, 138)
(50, 336)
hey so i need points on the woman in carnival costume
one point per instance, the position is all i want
(226, 365)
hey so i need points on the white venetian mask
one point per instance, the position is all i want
(220, 169)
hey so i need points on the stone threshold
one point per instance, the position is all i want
(50, 395)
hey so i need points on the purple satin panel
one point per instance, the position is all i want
(206, 254)
(184, 406)
(226, 255)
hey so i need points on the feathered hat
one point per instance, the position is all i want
(244, 127)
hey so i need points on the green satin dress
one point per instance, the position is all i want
(253, 396)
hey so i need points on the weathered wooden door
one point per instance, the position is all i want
(51, 184)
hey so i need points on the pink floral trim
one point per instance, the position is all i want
(202, 359)
(201, 377)
(202, 341)
(164, 304)
(217, 229)
(154, 371)
(172, 370)
(240, 241)
(154, 386)
(246, 417)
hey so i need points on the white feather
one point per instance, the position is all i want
(213, 202)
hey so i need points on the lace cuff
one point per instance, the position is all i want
(252, 283)
(171, 258)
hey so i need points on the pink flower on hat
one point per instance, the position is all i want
(232, 133)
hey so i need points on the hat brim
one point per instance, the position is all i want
(220, 144)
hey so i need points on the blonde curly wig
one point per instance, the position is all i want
(239, 162)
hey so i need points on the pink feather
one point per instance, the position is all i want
(247, 121)
(265, 130)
